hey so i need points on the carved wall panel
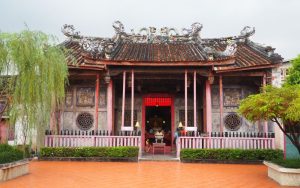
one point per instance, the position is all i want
(85, 96)
(232, 96)
(69, 98)
(103, 97)
(215, 97)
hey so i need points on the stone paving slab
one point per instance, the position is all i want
(142, 174)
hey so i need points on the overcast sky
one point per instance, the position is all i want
(276, 21)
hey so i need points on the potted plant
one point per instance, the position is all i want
(12, 163)
(285, 172)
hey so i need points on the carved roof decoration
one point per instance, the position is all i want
(168, 44)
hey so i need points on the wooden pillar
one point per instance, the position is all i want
(204, 109)
(195, 100)
(208, 106)
(110, 106)
(185, 99)
(97, 101)
(132, 98)
(123, 99)
(221, 102)
(265, 122)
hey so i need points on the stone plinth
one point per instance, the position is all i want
(284, 176)
(12, 170)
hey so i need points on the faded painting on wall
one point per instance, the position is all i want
(232, 96)
(85, 96)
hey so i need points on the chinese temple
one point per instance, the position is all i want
(155, 80)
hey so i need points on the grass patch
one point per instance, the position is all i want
(287, 163)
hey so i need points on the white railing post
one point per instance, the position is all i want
(178, 147)
(140, 146)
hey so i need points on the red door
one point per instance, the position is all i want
(157, 100)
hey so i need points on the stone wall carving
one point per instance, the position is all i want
(85, 121)
(85, 96)
(69, 98)
(232, 96)
(102, 97)
(232, 121)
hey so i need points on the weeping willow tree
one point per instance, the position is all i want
(33, 77)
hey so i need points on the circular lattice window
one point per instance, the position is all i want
(85, 121)
(232, 121)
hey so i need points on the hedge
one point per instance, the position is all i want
(105, 152)
(9, 154)
(230, 154)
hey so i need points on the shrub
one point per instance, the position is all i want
(27, 152)
(288, 163)
(106, 152)
(231, 154)
(9, 154)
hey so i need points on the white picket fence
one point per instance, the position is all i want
(224, 142)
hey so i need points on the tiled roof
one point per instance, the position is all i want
(94, 53)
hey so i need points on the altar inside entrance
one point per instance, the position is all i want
(158, 127)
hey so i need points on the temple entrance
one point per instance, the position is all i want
(157, 124)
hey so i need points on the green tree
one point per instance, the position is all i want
(279, 105)
(33, 76)
(294, 72)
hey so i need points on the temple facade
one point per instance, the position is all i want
(158, 80)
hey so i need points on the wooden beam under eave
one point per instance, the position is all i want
(97, 68)
(252, 74)
(168, 64)
(119, 70)
(248, 68)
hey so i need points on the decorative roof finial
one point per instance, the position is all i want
(69, 31)
(119, 27)
(247, 31)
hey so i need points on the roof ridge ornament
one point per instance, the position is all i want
(94, 46)
(247, 31)
(69, 31)
(151, 34)
(104, 47)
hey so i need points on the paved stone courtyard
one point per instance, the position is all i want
(143, 174)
